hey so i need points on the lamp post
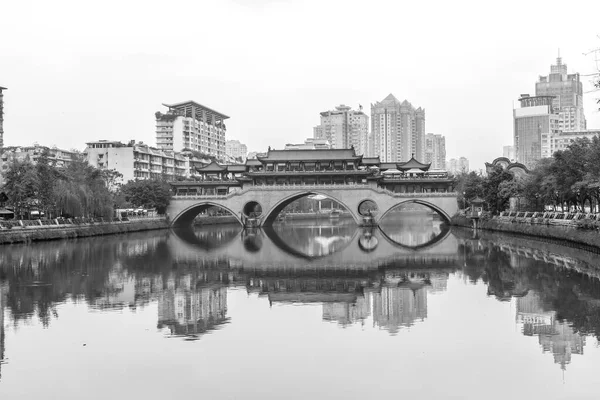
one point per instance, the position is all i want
(464, 201)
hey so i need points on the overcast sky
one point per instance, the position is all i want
(78, 71)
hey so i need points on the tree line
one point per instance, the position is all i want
(76, 190)
(569, 180)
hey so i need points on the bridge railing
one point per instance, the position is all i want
(347, 186)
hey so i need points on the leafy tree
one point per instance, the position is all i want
(21, 185)
(150, 193)
(496, 200)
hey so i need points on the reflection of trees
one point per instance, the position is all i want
(573, 295)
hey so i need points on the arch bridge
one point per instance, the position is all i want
(257, 191)
(271, 200)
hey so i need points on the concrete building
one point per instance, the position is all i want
(561, 140)
(140, 161)
(344, 128)
(567, 96)
(58, 157)
(2, 117)
(309, 144)
(235, 149)
(398, 130)
(534, 123)
(458, 166)
(191, 126)
(435, 151)
(509, 152)
(397, 307)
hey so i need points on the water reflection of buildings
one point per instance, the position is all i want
(554, 336)
(394, 299)
(189, 310)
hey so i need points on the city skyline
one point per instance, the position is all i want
(79, 77)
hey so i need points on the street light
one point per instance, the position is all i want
(464, 201)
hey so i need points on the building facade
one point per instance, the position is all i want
(509, 152)
(567, 96)
(435, 150)
(344, 128)
(140, 161)
(57, 157)
(398, 130)
(191, 126)
(534, 123)
(235, 149)
(561, 140)
(1, 117)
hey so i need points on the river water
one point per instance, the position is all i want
(309, 309)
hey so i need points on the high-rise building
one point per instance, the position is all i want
(534, 123)
(398, 130)
(344, 128)
(235, 149)
(509, 152)
(458, 166)
(435, 151)
(567, 92)
(561, 140)
(1, 117)
(191, 126)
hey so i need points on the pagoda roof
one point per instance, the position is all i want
(413, 163)
(253, 162)
(309, 155)
(212, 167)
(478, 200)
(388, 165)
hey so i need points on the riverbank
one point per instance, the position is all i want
(585, 237)
(41, 233)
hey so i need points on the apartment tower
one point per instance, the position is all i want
(2, 117)
(398, 130)
(567, 92)
(344, 128)
(435, 151)
(191, 126)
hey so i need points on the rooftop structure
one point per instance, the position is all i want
(309, 144)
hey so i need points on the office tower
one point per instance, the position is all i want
(567, 92)
(398, 130)
(191, 126)
(534, 123)
(235, 149)
(1, 117)
(344, 128)
(435, 151)
(509, 152)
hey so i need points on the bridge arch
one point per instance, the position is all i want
(425, 203)
(271, 214)
(187, 215)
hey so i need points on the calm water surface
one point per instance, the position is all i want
(313, 309)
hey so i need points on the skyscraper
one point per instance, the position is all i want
(435, 151)
(398, 130)
(1, 117)
(191, 126)
(236, 149)
(567, 92)
(344, 128)
(534, 123)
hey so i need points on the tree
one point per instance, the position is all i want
(496, 200)
(150, 193)
(21, 184)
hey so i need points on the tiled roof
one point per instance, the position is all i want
(309, 155)
(212, 167)
(413, 163)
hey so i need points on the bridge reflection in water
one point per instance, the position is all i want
(356, 276)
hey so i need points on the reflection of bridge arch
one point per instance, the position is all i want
(442, 213)
(429, 244)
(208, 243)
(282, 245)
(271, 215)
(186, 216)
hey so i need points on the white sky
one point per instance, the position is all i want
(80, 71)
